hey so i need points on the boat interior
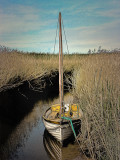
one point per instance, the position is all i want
(72, 111)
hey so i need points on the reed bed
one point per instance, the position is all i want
(96, 88)
(16, 68)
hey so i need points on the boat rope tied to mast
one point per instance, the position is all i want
(68, 118)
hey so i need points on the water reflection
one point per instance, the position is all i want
(19, 136)
(27, 140)
(56, 151)
(52, 146)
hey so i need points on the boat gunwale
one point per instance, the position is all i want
(51, 121)
(61, 122)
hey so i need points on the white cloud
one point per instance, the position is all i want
(20, 19)
(83, 38)
(113, 13)
(79, 39)
(42, 41)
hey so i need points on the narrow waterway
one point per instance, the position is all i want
(29, 140)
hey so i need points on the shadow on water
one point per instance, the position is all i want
(18, 102)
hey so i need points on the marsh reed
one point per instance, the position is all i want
(16, 68)
(96, 88)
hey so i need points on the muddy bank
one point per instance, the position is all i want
(15, 103)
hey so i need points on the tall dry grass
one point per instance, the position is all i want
(15, 68)
(96, 87)
(97, 90)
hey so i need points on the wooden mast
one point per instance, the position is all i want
(60, 66)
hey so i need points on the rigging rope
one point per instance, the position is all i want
(55, 38)
(65, 36)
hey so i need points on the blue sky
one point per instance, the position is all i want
(30, 25)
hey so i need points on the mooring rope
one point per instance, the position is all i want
(68, 118)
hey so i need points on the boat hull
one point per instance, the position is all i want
(63, 130)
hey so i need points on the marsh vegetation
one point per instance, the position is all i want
(95, 84)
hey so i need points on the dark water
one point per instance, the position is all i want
(28, 140)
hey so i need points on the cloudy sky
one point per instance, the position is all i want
(30, 25)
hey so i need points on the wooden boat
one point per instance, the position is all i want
(61, 120)
(57, 126)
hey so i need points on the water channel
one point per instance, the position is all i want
(28, 139)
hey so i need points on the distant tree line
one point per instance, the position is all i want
(4, 49)
(101, 50)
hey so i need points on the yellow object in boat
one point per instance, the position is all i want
(66, 114)
(55, 108)
(74, 108)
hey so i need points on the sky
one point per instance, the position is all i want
(30, 25)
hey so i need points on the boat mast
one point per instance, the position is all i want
(60, 66)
